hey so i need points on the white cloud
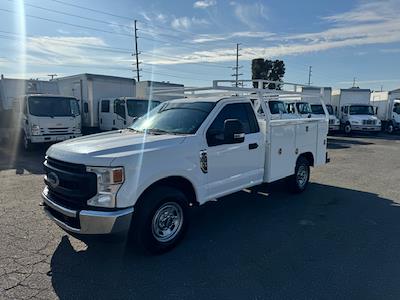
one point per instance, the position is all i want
(205, 38)
(252, 15)
(185, 23)
(204, 3)
(393, 50)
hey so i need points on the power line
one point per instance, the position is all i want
(66, 23)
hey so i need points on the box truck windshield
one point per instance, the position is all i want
(317, 109)
(361, 110)
(53, 107)
(137, 108)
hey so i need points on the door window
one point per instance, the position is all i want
(105, 106)
(239, 111)
(119, 108)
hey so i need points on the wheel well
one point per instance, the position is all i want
(309, 156)
(177, 182)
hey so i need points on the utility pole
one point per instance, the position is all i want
(354, 82)
(237, 67)
(137, 54)
(309, 74)
(52, 76)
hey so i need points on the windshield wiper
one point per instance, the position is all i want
(157, 131)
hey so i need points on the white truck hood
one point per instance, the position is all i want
(101, 149)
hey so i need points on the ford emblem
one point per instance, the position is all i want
(53, 179)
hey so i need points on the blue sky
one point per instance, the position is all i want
(193, 42)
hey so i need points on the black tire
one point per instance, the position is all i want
(347, 128)
(27, 144)
(299, 180)
(390, 128)
(151, 211)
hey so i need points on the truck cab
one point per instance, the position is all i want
(317, 111)
(185, 152)
(121, 112)
(48, 118)
(395, 120)
(359, 117)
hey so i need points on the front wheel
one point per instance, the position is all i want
(390, 128)
(299, 180)
(28, 146)
(160, 220)
(347, 129)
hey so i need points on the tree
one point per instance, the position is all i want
(267, 70)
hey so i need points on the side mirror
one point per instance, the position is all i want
(233, 131)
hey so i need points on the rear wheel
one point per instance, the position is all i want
(299, 180)
(160, 220)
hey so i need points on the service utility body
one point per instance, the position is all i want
(185, 152)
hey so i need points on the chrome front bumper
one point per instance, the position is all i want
(366, 127)
(53, 138)
(90, 221)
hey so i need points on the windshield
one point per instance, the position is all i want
(174, 117)
(53, 106)
(361, 110)
(317, 109)
(303, 108)
(137, 108)
(277, 107)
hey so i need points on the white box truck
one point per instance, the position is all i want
(143, 180)
(89, 89)
(388, 108)
(316, 108)
(355, 111)
(35, 112)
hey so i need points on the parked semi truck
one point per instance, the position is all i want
(388, 108)
(143, 180)
(355, 111)
(316, 107)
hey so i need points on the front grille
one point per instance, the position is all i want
(58, 130)
(369, 122)
(75, 185)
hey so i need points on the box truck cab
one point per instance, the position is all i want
(355, 111)
(48, 118)
(119, 113)
(387, 105)
(317, 111)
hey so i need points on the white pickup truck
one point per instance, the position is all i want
(185, 152)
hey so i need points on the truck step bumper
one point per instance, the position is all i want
(88, 221)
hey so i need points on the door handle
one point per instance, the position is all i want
(253, 146)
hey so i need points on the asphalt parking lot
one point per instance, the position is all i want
(340, 239)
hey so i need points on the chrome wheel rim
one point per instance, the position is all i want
(347, 128)
(302, 176)
(167, 222)
(390, 128)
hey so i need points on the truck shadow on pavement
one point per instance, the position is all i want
(340, 143)
(263, 243)
(14, 157)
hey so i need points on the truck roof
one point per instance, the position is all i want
(50, 96)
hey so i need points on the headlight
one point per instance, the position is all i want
(35, 130)
(355, 122)
(109, 180)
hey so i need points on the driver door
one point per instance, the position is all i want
(232, 167)
(119, 114)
